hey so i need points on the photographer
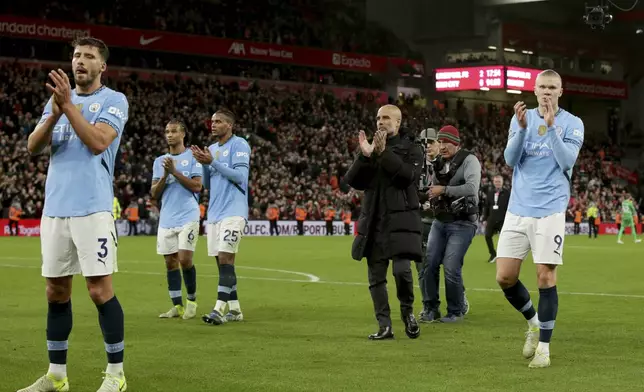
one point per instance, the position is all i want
(428, 140)
(454, 201)
(389, 227)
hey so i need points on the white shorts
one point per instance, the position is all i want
(171, 241)
(544, 236)
(225, 235)
(78, 245)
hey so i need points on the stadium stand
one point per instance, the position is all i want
(53, 51)
(302, 142)
(335, 26)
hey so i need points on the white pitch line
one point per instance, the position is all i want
(311, 278)
(319, 281)
(160, 274)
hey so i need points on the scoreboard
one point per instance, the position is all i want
(469, 78)
(521, 79)
(485, 78)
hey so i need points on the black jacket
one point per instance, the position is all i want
(496, 215)
(390, 215)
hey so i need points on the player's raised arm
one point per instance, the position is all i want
(159, 177)
(204, 158)
(238, 173)
(196, 172)
(205, 179)
(109, 124)
(361, 172)
(516, 138)
(565, 148)
(41, 136)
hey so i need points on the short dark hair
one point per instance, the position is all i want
(181, 124)
(103, 50)
(228, 113)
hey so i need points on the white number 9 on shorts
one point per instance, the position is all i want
(544, 236)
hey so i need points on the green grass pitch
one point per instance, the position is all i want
(301, 334)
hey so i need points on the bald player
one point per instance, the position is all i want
(388, 170)
(542, 148)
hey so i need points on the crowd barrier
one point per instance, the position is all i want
(31, 228)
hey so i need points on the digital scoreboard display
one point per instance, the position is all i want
(521, 79)
(470, 78)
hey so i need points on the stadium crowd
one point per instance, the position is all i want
(334, 26)
(303, 143)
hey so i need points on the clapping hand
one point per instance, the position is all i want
(62, 92)
(549, 114)
(168, 165)
(202, 156)
(520, 112)
(365, 147)
(379, 142)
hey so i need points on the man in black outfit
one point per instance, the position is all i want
(496, 205)
(389, 226)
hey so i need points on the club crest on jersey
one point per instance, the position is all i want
(95, 107)
(226, 153)
(542, 130)
(184, 163)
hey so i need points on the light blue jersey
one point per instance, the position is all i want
(79, 183)
(227, 179)
(542, 160)
(179, 205)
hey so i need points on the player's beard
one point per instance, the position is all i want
(86, 80)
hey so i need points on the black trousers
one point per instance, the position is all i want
(347, 229)
(132, 229)
(592, 228)
(377, 273)
(329, 227)
(427, 226)
(273, 227)
(13, 223)
(300, 227)
(492, 227)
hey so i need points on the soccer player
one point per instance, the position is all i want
(225, 175)
(628, 211)
(176, 183)
(84, 126)
(542, 148)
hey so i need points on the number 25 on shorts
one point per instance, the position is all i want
(231, 235)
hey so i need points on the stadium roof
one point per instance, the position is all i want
(624, 34)
(569, 14)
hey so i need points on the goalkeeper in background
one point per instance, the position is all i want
(628, 211)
